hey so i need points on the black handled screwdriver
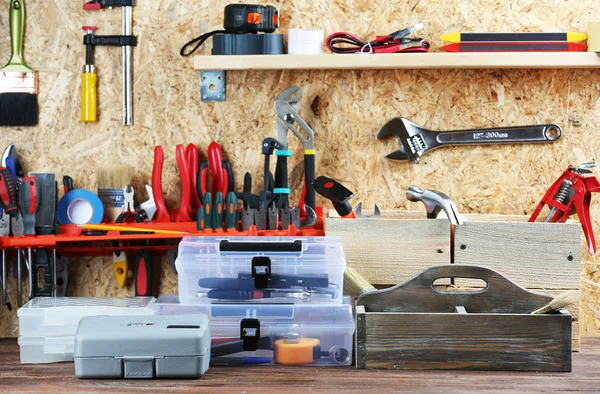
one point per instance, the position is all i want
(29, 201)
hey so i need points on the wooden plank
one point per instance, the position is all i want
(467, 341)
(395, 61)
(536, 255)
(389, 251)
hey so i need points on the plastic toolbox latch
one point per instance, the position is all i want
(250, 334)
(261, 271)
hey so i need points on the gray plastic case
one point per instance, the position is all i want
(142, 347)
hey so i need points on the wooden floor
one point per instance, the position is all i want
(60, 378)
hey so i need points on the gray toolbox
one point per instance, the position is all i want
(137, 347)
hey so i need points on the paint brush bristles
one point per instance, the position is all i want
(562, 300)
(355, 284)
(18, 81)
(115, 177)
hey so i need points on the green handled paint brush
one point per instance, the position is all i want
(18, 81)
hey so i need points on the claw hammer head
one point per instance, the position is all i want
(434, 202)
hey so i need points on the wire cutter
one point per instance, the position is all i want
(129, 207)
(286, 107)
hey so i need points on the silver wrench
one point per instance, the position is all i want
(416, 141)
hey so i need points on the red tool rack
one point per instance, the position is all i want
(71, 240)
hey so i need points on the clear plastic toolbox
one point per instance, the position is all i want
(59, 316)
(261, 269)
(292, 334)
(36, 350)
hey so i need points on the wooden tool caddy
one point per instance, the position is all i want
(541, 257)
(417, 326)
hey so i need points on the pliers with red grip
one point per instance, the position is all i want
(220, 171)
(183, 213)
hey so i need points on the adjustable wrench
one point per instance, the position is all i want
(416, 141)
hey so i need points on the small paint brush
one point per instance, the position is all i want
(111, 182)
(355, 284)
(18, 81)
(562, 300)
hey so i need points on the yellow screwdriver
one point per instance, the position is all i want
(88, 79)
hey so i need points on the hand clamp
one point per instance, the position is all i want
(126, 41)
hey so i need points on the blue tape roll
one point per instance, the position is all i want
(283, 153)
(80, 206)
(281, 190)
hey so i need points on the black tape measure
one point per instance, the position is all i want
(240, 19)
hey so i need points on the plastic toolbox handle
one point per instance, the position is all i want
(240, 247)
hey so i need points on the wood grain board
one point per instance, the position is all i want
(537, 255)
(391, 61)
(389, 251)
(458, 341)
(60, 378)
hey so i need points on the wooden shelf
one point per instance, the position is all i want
(434, 60)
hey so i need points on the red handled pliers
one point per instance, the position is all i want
(184, 163)
(220, 171)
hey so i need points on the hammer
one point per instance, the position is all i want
(434, 202)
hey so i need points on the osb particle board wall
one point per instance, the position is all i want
(344, 108)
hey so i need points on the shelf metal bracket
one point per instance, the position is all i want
(212, 86)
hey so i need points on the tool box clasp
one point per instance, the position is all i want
(261, 271)
(250, 334)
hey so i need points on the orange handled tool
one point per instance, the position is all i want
(162, 214)
(183, 213)
(215, 159)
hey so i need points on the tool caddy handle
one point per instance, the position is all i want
(418, 295)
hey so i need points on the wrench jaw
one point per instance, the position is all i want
(411, 139)
(286, 103)
(359, 214)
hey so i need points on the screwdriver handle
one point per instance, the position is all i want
(67, 183)
(217, 220)
(143, 273)
(41, 264)
(29, 201)
(88, 97)
(200, 219)
(208, 210)
(230, 210)
(8, 191)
